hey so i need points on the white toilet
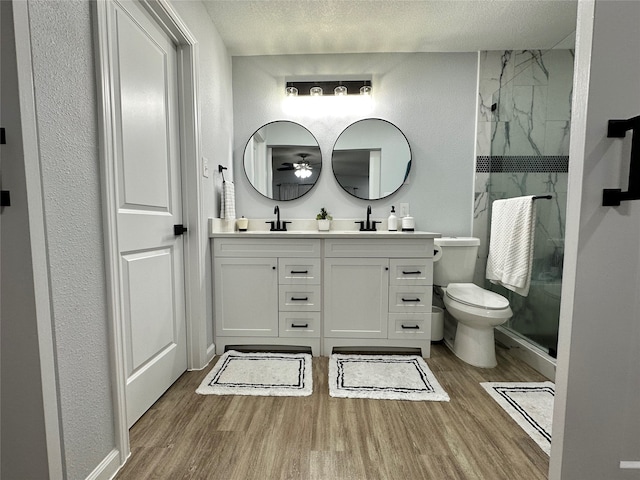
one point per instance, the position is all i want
(476, 310)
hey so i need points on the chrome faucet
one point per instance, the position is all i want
(277, 225)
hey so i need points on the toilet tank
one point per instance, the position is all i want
(455, 260)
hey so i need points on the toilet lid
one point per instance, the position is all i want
(473, 295)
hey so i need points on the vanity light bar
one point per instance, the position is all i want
(329, 87)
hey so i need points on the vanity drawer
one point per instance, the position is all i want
(299, 271)
(299, 324)
(410, 299)
(244, 246)
(300, 298)
(379, 248)
(414, 271)
(410, 325)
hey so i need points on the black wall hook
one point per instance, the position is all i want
(221, 170)
(611, 197)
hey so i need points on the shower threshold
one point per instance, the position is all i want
(532, 355)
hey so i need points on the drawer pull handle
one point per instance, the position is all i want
(298, 272)
(299, 299)
(293, 325)
(410, 299)
(411, 327)
(416, 272)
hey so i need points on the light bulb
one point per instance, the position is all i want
(340, 90)
(316, 91)
(365, 90)
(303, 173)
(291, 91)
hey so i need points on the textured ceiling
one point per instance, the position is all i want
(278, 27)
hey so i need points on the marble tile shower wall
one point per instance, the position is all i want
(523, 141)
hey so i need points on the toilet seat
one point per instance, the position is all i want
(475, 296)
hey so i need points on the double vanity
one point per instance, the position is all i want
(323, 289)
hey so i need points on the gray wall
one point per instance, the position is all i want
(66, 102)
(431, 97)
(23, 447)
(596, 421)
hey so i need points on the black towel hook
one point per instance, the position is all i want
(221, 170)
(611, 197)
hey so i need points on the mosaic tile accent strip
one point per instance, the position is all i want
(513, 164)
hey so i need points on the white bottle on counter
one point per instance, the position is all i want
(392, 221)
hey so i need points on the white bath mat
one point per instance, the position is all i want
(261, 374)
(529, 404)
(387, 377)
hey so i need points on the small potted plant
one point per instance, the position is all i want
(324, 219)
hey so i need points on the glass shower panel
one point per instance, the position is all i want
(530, 125)
(536, 316)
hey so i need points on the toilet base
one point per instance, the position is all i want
(475, 346)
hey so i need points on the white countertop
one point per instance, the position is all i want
(308, 229)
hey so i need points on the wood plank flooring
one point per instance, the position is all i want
(190, 436)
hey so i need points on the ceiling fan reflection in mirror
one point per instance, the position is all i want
(302, 168)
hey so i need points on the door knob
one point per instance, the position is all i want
(179, 229)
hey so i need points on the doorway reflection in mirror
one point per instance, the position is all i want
(282, 160)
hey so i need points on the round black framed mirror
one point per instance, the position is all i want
(371, 159)
(282, 160)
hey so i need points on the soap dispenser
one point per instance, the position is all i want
(392, 221)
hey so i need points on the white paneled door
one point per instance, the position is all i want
(148, 196)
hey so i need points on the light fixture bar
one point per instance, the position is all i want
(328, 87)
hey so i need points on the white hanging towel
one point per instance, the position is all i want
(513, 222)
(228, 200)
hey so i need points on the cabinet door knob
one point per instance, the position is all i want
(273, 268)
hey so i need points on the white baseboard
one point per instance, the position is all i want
(211, 353)
(108, 468)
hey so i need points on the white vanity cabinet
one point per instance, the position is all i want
(266, 292)
(246, 293)
(378, 293)
(323, 290)
(356, 300)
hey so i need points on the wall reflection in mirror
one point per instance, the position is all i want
(371, 159)
(282, 160)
